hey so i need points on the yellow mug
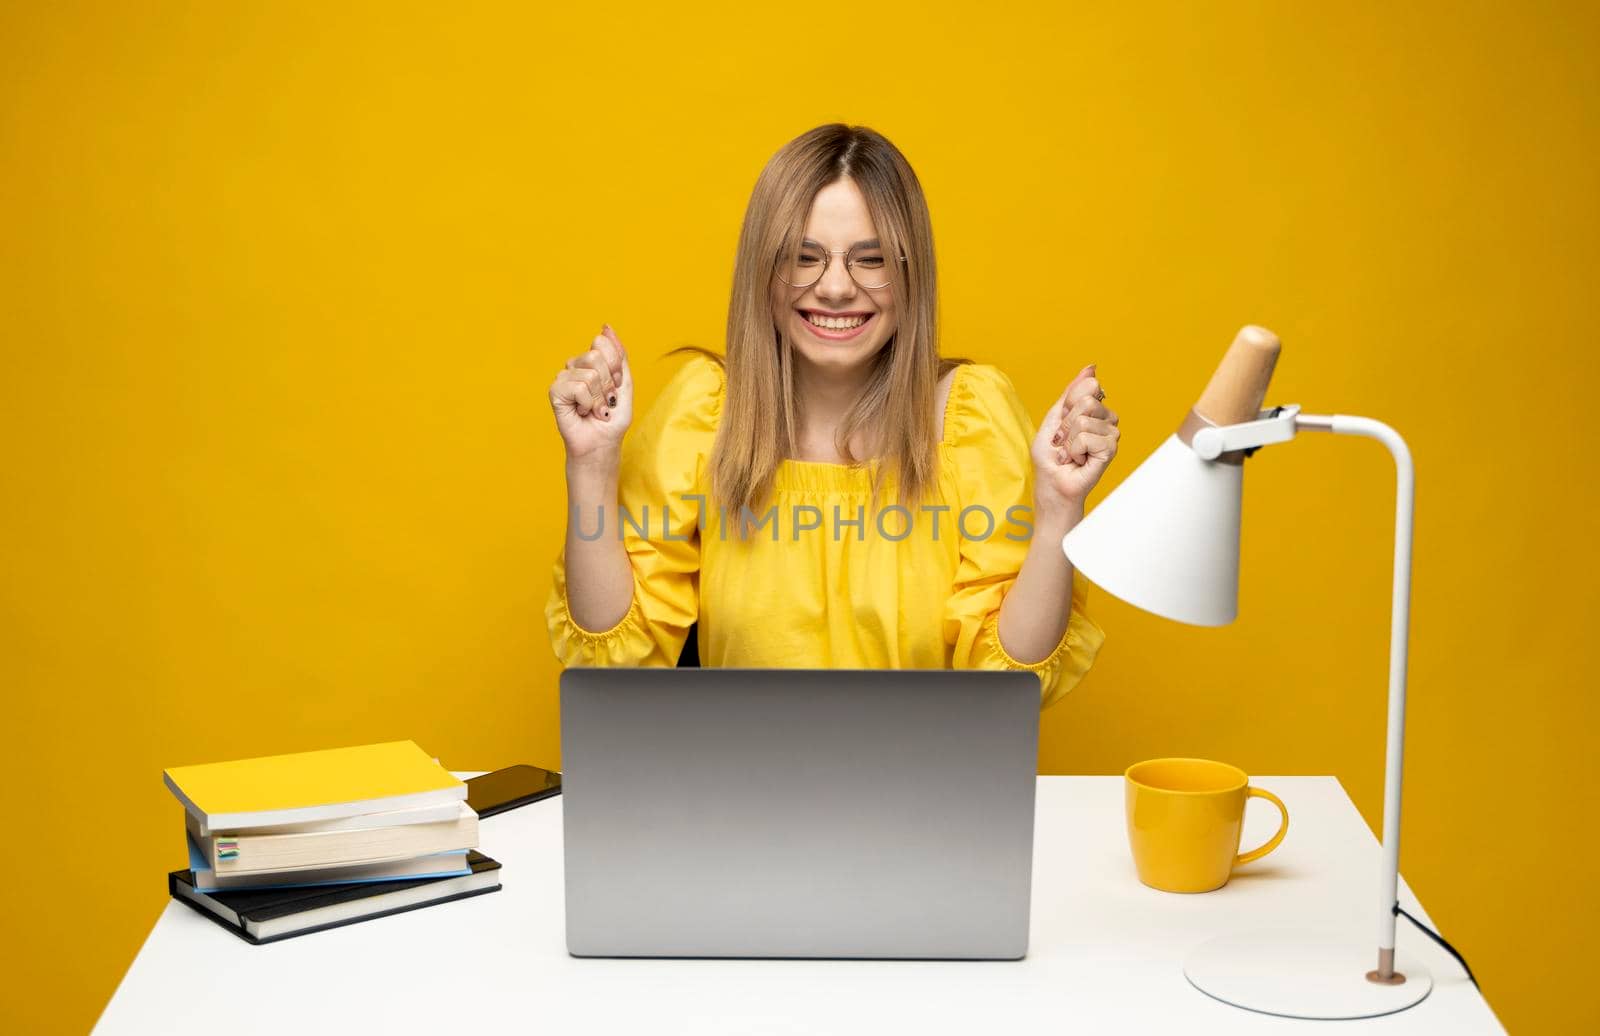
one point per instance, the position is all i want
(1185, 817)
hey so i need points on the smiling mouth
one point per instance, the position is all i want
(835, 322)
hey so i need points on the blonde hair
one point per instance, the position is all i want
(760, 421)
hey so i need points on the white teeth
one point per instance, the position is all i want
(835, 323)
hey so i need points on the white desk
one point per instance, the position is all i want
(1105, 954)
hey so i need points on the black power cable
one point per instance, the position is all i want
(1436, 937)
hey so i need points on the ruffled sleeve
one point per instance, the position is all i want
(990, 434)
(664, 461)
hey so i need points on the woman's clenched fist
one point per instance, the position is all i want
(1074, 445)
(592, 398)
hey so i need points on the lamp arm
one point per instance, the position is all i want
(1212, 441)
(1405, 499)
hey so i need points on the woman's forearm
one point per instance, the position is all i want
(1034, 614)
(599, 577)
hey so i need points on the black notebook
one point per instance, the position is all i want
(267, 915)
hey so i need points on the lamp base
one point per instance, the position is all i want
(1303, 974)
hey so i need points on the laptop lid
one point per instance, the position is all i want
(799, 813)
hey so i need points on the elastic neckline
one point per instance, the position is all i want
(821, 476)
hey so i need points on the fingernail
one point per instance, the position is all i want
(612, 399)
(606, 329)
(1055, 440)
(605, 412)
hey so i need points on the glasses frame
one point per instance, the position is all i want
(849, 269)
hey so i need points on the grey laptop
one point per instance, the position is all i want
(798, 813)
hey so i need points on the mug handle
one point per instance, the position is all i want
(1272, 843)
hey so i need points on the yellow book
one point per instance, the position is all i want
(307, 786)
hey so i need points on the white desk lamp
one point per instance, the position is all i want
(1167, 540)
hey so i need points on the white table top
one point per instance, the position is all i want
(1105, 952)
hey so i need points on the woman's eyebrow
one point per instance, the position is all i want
(859, 244)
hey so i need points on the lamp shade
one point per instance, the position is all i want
(1167, 539)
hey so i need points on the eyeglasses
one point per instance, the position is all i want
(805, 266)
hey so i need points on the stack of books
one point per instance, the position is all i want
(287, 844)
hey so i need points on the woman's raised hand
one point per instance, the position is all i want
(1074, 445)
(592, 399)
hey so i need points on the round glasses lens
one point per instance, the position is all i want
(802, 266)
(869, 267)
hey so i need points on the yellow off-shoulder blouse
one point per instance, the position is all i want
(830, 578)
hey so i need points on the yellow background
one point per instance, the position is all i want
(281, 290)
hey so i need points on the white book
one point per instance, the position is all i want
(447, 810)
(434, 866)
(238, 853)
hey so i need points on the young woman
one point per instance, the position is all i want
(832, 493)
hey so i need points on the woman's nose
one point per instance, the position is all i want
(836, 282)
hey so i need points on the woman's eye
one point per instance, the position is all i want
(871, 262)
(808, 260)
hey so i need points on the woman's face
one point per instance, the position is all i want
(864, 319)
